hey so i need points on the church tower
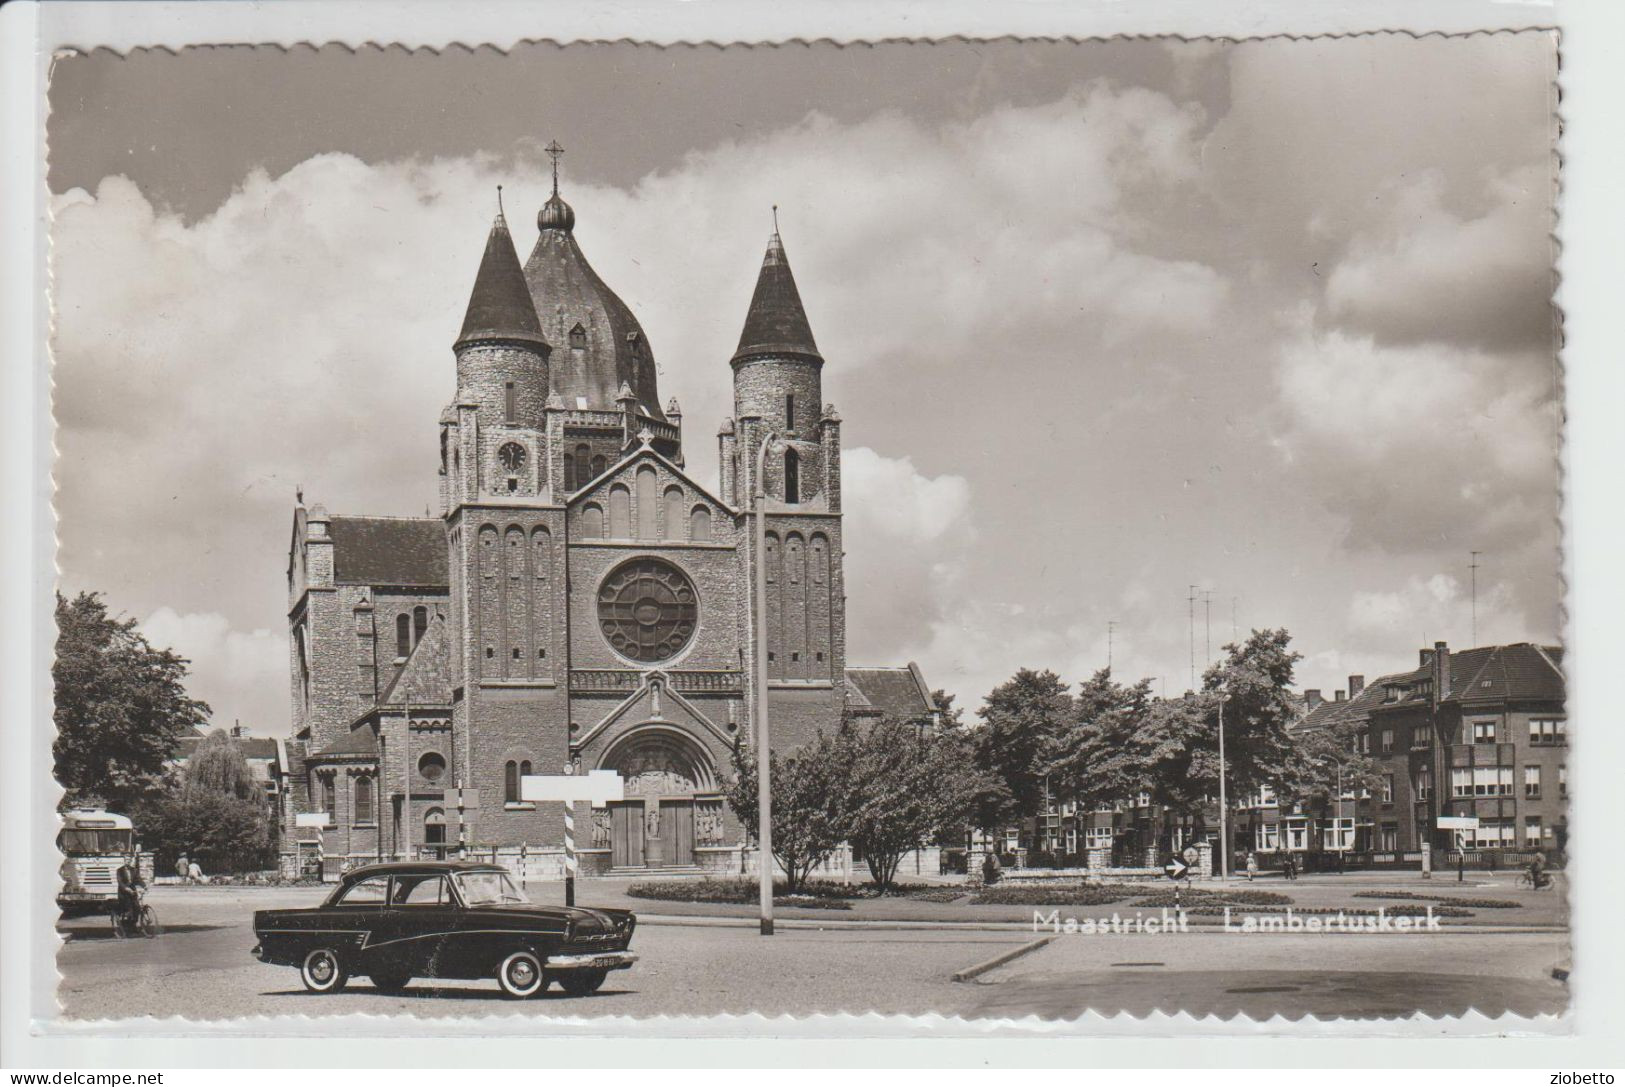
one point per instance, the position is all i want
(778, 402)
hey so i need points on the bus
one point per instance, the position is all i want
(93, 843)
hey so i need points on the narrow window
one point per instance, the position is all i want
(510, 782)
(570, 476)
(403, 634)
(420, 623)
(597, 467)
(578, 338)
(792, 476)
(510, 403)
(790, 411)
(363, 799)
(583, 467)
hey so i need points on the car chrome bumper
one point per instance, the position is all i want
(594, 960)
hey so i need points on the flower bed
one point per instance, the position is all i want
(1226, 896)
(1076, 894)
(1471, 903)
(817, 896)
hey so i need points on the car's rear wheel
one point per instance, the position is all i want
(521, 976)
(582, 982)
(323, 972)
(391, 981)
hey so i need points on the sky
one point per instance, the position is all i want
(1106, 321)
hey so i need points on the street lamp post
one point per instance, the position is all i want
(1224, 807)
(764, 762)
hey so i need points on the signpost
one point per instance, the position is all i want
(1177, 869)
(1460, 824)
(598, 788)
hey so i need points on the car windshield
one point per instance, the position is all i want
(80, 842)
(487, 888)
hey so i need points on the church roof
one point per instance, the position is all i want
(424, 678)
(776, 323)
(500, 305)
(899, 693)
(389, 551)
(360, 741)
(597, 343)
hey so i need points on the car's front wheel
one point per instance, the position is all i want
(582, 982)
(322, 972)
(520, 975)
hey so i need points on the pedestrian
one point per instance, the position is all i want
(990, 868)
(194, 872)
(1289, 867)
(1252, 865)
(181, 869)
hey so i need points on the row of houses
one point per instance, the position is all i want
(1478, 733)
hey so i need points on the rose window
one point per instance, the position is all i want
(647, 609)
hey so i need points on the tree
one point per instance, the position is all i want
(1324, 760)
(952, 716)
(218, 766)
(121, 706)
(809, 806)
(905, 786)
(1022, 719)
(1106, 753)
(223, 833)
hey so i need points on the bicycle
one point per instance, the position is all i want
(1526, 878)
(143, 919)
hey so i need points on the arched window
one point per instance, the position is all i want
(363, 799)
(510, 783)
(648, 503)
(403, 634)
(620, 513)
(434, 827)
(329, 801)
(699, 525)
(569, 472)
(420, 623)
(592, 523)
(674, 513)
(598, 466)
(792, 476)
(583, 467)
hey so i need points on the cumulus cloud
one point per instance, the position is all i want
(241, 674)
(300, 334)
(1416, 446)
(1432, 274)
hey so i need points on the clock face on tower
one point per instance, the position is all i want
(647, 610)
(512, 456)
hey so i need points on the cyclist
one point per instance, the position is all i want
(130, 886)
(1537, 871)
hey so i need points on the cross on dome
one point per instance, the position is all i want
(554, 150)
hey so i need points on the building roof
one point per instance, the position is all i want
(899, 693)
(253, 747)
(425, 677)
(500, 305)
(1522, 671)
(776, 324)
(408, 551)
(597, 342)
(360, 741)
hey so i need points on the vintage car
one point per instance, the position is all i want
(444, 919)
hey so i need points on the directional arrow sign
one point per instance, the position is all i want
(1176, 868)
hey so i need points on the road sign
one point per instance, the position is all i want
(1457, 822)
(313, 819)
(1176, 868)
(1191, 855)
(598, 787)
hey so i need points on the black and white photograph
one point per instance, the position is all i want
(1034, 530)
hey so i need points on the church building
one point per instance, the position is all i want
(581, 602)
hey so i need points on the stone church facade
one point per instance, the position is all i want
(580, 602)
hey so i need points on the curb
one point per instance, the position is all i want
(999, 960)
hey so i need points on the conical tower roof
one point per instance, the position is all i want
(598, 344)
(500, 306)
(776, 323)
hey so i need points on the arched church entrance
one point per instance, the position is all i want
(672, 802)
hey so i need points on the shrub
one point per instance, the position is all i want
(1474, 903)
(1220, 897)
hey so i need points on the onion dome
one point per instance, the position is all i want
(776, 325)
(599, 345)
(500, 307)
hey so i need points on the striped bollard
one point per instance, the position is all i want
(569, 854)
